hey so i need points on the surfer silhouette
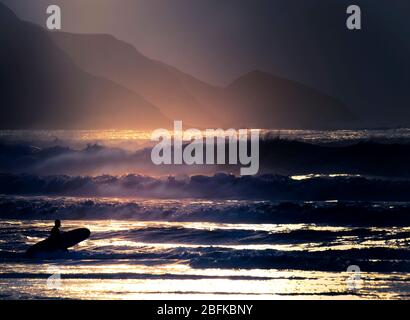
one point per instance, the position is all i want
(55, 234)
(59, 240)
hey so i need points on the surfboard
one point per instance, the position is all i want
(68, 240)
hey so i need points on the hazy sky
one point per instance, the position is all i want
(216, 40)
(219, 40)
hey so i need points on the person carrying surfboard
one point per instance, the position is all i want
(58, 241)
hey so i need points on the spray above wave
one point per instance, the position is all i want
(276, 156)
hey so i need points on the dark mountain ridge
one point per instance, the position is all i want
(42, 88)
(257, 99)
(54, 80)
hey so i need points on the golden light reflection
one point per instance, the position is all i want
(332, 175)
(149, 277)
(113, 226)
(300, 285)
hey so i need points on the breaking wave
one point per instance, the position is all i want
(246, 211)
(219, 186)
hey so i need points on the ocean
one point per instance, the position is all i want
(321, 234)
